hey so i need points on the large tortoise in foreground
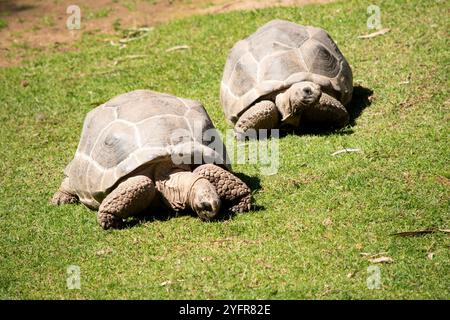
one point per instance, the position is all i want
(139, 150)
(285, 74)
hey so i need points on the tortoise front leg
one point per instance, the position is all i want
(263, 115)
(129, 198)
(327, 111)
(64, 195)
(233, 192)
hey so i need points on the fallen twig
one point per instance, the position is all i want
(224, 240)
(419, 232)
(382, 260)
(380, 257)
(375, 34)
(182, 47)
(345, 150)
(371, 255)
(120, 45)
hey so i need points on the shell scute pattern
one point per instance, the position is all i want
(130, 131)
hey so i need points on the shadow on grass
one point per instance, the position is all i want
(360, 101)
(163, 214)
(254, 183)
(11, 7)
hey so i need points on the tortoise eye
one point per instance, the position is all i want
(296, 111)
(307, 91)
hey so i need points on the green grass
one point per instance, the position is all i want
(3, 24)
(102, 13)
(284, 250)
(48, 21)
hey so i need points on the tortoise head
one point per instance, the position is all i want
(297, 98)
(204, 199)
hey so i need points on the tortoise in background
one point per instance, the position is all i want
(283, 75)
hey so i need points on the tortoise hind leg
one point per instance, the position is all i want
(64, 195)
(129, 198)
(263, 115)
(234, 193)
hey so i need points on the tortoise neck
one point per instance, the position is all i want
(175, 187)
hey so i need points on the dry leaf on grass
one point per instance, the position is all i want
(157, 258)
(382, 260)
(327, 222)
(372, 255)
(345, 150)
(104, 252)
(182, 47)
(419, 232)
(444, 180)
(234, 240)
(170, 282)
(375, 34)
(380, 257)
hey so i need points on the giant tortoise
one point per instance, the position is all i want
(137, 151)
(284, 75)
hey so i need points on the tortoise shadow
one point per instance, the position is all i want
(254, 183)
(361, 99)
(161, 214)
(147, 216)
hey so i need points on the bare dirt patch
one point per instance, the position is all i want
(28, 27)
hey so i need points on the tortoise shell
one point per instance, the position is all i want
(134, 130)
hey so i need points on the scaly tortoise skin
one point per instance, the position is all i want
(228, 187)
(124, 161)
(287, 73)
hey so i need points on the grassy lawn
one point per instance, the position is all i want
(319, 220)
